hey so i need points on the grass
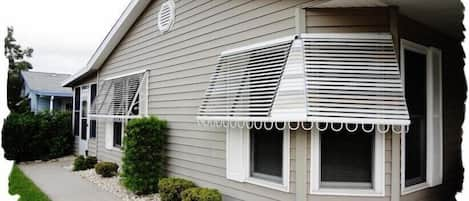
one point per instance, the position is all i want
(23, 186)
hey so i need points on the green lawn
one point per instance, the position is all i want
(23, 186)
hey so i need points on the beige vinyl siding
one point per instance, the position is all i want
(181, 63)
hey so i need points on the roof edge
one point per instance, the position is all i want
(112, 39)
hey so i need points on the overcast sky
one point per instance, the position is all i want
(63, 33)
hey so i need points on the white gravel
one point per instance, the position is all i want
(112, 185)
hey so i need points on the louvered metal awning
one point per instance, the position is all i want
(120, 97)
(350, 78)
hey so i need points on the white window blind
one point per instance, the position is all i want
(350, 78)
(354, 78)
(120, 97)
(246, 81)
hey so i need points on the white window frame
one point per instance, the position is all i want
(244, 160)
(432, 152)
(378, 170)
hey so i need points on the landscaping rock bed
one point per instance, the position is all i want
(112, 185)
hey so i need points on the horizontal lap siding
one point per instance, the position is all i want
(181, 63)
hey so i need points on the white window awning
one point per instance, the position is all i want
(350, 78)
(121, 97)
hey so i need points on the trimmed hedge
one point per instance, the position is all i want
(170, 189)
(144, 154)
(79, 163)
(44, 136)
(106, 169)
(201, 194)
(90, 162)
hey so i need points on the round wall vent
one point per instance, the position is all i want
(166, 16)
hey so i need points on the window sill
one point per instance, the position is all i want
(348, 192)
(414, 188)
(268, 184)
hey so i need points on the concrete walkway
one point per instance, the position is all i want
(60, 184)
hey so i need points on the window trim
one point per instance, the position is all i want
(430, 133)
(378, 169)
(246, 154)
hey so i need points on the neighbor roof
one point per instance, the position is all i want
(47, 84)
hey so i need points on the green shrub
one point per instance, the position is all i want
(79, 163)
(106, 169)
(44, 136)
(201, 194)
(170, 189)
(144, 154)
(90, 162)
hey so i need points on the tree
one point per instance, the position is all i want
(16, 63)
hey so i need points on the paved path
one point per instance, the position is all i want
(60, 184)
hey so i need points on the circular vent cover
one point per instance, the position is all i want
(166, 16)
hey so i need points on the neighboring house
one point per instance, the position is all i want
(287, 100)
(45, 92)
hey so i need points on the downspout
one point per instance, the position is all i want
(301, 165)
(396, 138)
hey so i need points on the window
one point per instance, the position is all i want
(347, 163)
(415, 139)
(84, 112)
(422, 147)
(266, 154)
(259, 156)
(76, 112)
(93, 121)
(346, 159)
(117, 134)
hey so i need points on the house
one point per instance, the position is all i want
(45, 91)
(295, 100)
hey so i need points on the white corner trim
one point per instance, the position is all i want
(378, 170)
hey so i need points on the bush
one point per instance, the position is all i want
(44, 136)
(79, 163)
(201, 194)
(144, 154)
(90, 162)
(106, 169)
(170, 189)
